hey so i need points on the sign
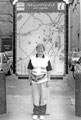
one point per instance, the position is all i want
(40, 22)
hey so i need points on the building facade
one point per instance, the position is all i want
(74, 26)
(6, 21)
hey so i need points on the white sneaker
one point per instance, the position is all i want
(35, 117)
(41, 117)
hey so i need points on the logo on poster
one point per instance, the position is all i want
(20, 6)
(60, 6)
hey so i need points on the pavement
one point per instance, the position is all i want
(60, 105)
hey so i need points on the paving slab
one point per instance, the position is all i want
(19, 100)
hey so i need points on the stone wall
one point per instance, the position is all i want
(6, 18)
(74, 26)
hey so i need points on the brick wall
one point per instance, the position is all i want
(6, 18)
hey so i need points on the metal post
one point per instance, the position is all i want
(14, 31)
(66, 46)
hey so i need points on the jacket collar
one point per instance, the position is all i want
(42, 56)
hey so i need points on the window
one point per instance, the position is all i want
(4, 59)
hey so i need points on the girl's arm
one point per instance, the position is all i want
(48, 77)
(30, 80)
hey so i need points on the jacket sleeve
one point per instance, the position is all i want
(49, 67)
(30, 66)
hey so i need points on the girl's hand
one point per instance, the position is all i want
(30, 83)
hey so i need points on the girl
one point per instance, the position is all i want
(39, 68)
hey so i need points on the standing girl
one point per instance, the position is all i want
(39, 68)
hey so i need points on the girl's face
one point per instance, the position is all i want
(40, 51)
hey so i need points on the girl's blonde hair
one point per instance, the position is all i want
(40, 45)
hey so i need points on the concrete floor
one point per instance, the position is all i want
(61, 104)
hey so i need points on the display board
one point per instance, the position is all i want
(40, 22)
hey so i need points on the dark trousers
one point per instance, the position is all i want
(39, 110)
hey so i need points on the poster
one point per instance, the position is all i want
(40, 22)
